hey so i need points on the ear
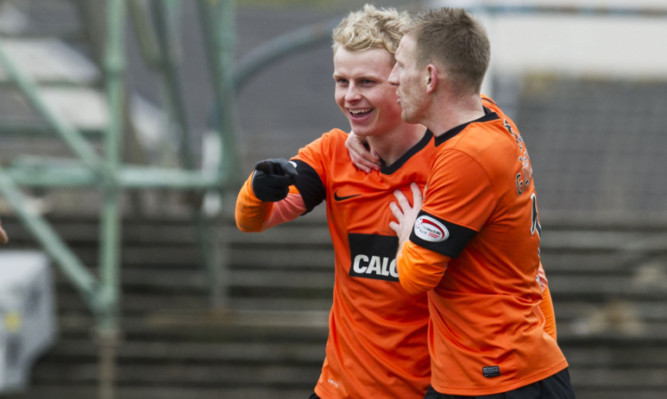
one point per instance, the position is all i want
(431, 78)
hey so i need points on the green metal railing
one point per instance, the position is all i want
(106, 172)
(109, 176)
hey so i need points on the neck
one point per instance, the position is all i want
(391, 146)
(451, 112)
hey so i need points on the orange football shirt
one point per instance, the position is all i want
(377, 345)
(475, 249)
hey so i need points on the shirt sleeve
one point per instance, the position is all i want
(254, 215)
(546, 305)
(250, 212)
(542, 277)
(460, 190)
(419, 269)
(458, 202)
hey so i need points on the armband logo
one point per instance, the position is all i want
(429, 229)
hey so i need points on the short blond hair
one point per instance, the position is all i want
(370, 28)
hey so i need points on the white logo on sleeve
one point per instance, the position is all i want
(429, 229)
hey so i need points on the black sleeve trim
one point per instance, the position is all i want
(439, 235)
(310, 185)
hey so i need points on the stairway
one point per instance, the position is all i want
(271, 341)
(608, 287)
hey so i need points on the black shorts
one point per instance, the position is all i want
(314, 396)
(558, 386)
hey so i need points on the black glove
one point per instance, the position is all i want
(272, 179)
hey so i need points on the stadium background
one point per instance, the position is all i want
(586, 82)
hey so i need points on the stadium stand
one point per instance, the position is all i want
(598, 148)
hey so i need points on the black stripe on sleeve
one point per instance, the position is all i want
(310, 185)
(439, 235)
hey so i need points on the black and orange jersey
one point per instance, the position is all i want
(377, 343)
(377, 340)
(475, 249)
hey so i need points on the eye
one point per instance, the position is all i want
(367, 82)
(341, 81)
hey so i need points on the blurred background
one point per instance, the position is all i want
(127, 127)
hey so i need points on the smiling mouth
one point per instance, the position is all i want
(357, 113)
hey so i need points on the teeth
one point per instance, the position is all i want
(360, 111)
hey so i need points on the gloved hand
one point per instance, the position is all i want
(272, 179)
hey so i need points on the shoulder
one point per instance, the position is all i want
(480, 147)
(328, 142)
(335, 135)
(476, 136)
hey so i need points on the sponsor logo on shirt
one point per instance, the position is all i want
(429, 229)
(374, 266)
(373, 256)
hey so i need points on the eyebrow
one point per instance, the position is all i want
(362, 77)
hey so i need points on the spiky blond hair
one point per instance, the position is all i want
(370, 28)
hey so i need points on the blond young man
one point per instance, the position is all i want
(377, 345)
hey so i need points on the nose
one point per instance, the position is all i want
(352, 93)
(393, 76)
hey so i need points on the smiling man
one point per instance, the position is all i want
(474, 247)
(377, 346)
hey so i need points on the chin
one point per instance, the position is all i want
(359, 132)
(408, 117)
(362, 132)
